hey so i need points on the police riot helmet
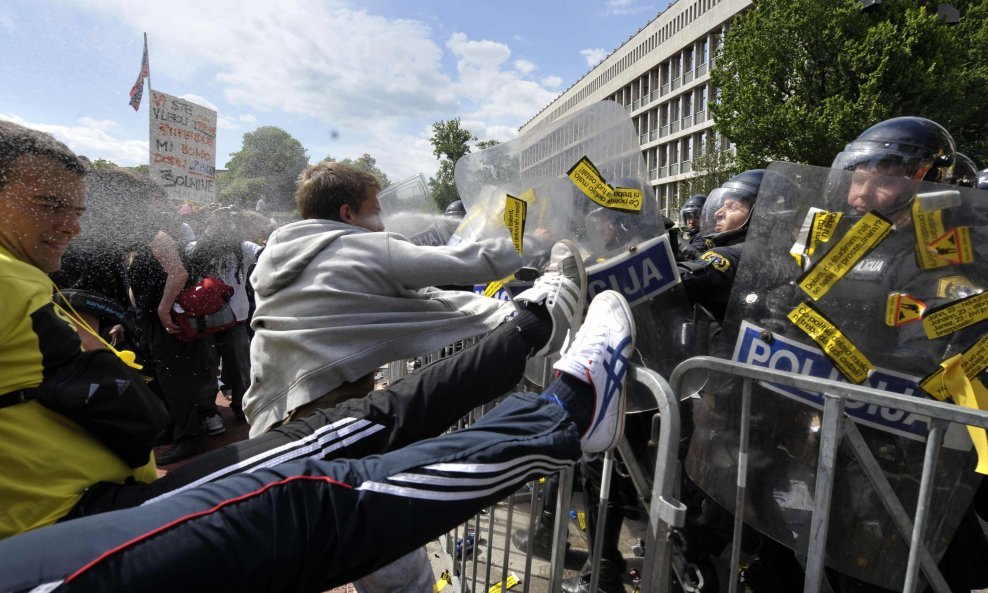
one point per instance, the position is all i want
(983, 179)
(963, 172)
(455, 210)
(914, 147)
(692, 208)
(727, 210)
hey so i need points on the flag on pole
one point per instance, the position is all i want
(137, 92)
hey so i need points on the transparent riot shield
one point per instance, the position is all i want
(407, 208)
(540, 186)
(861, 278)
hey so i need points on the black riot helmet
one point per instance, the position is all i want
(914, 147)
(691, 210)
(983, 179)
(729, 205)
(963, 172)
(455, 210)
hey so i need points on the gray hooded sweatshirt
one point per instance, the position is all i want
(336, 301)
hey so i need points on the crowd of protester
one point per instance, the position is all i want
(137, 251)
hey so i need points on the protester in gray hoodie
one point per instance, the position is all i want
(337, 298)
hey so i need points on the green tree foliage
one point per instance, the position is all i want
(798, 79)
(103, 164)
(450, 142)
(268, 164)
(711, 169)
(487, 144)
(365, 163)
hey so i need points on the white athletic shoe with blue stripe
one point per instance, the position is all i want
(599, 356)
(562, 289)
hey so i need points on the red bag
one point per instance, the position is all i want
(203, 309)
(205, 297)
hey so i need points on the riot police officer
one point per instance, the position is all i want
(887, 160)
(690, 216)
(964, 173)
(726, 212)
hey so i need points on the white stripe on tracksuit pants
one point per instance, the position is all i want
(308, 525)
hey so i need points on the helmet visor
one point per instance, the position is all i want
(882, 161)
(725, 210)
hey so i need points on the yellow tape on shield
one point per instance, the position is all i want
(515, 212)
(588, 179)
(846, 357)
(951, 380)
(861, 238)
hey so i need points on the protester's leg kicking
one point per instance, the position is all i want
(303, 526)
(419, 406)
(310, 524)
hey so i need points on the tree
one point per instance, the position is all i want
(487, 144)
(798, 79)
(449, 144)
(365, 163)
(103, 164)
(268, 164)
(712, 168)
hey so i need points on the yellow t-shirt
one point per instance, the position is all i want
(46, 459)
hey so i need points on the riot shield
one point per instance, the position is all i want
(407, 208)
(583, 178)
(847, 292)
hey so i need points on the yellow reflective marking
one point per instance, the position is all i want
(927, 225)
(515, 212)
(946, 319)
(845, 355)
(954, 246)
(855, 244)
(496, 587)
(588, 179)
(952, 380)
(581, 520)
(901, 309)
(492, 288)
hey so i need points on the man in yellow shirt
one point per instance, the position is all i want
(48, 460)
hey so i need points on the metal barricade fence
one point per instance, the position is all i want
(500, 565)
(667, 514)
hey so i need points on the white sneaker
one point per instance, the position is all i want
(599, 355)
(562, 288)
(213, 425)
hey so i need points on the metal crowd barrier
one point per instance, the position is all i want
(495, 563)
(667, 514)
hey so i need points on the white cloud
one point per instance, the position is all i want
(525, 67)
(93, 138)
(593, 56)
(551, 81)
(224, 122)
(622, 7)
(199, 101)
(371, 81)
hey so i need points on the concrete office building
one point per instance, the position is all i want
(662, 75)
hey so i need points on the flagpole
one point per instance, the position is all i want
(150, 100)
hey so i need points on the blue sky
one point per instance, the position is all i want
(344, 77)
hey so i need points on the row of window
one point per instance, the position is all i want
(683, 61)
